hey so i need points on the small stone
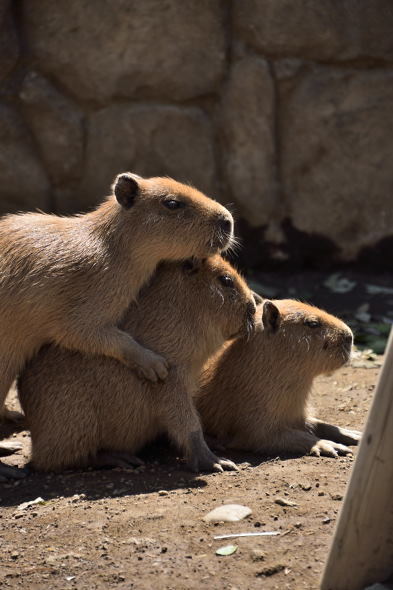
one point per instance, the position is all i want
(228, 513)
(337, 497)
(163, 493)
(257, 555)
(284, 502)
(326, 520)
(26, 505)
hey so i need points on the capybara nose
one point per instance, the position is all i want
(226, 224)
(348, 338)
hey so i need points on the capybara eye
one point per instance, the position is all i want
(226, 280)
(312, 323)
(173, 204)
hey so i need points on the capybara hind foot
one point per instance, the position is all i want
(328, 431)
(329, 448)
(9, 472)
(202, 459)
(111, 459)
(9, 447)
(348, 436)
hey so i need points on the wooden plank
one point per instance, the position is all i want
(362, 548)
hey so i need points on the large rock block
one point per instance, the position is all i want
(9, 46)
(321, 30)
(128, 48)
(23, 183)
(57, 125)
(337, 144)
(247, 138)
(149, 140)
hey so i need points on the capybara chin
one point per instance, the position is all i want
(68, 280)
(79, 409)
(254, 392)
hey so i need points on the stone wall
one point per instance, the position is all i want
(283, 108)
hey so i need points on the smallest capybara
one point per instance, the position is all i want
(254, 393)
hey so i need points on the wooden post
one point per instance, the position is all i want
(362, 548)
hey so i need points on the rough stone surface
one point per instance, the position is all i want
(329, 30)
(22, 180)
(337, 144)
(247, 137)
(151, 141)
(129, 48)
(57, 125)
(9, 46)
(281, 107)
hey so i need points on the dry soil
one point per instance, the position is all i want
(143, 529)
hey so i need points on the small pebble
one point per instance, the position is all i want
(257, 555)
(284, 502)
(228, 513)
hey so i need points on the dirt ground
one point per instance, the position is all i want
(143, 529)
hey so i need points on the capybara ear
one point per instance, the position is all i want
(257, 298)
(126, 188)
(270, 317)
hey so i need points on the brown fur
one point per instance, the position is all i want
(254, 392)
(69, 280)
(77, 406)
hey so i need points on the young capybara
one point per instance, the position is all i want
(68, 280)
(254, 392)
(86, 411)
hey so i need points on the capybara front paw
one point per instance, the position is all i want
(210, 462)
(152, 366)
(328, 448)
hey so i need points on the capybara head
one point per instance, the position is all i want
(205, 300)
(308, 336)
(180, 220)
(220, 288)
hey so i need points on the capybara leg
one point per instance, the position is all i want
(119, 345)
(337, 434)
(110, 459)
(9, 448)
(184, 427)
(201, 457)
(214, 443)
(290, 441)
